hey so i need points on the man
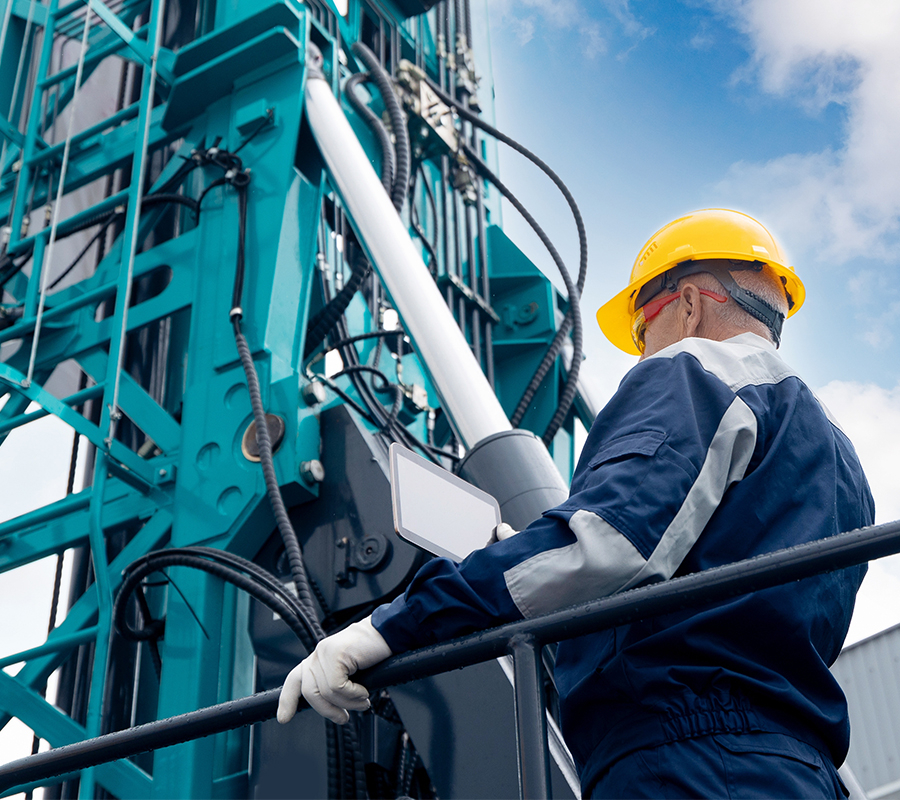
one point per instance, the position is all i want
(711, 451)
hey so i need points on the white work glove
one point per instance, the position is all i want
(501, 532)
(323, 677)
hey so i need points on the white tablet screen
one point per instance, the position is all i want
(436, 510)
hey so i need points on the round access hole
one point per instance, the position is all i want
(249, 446)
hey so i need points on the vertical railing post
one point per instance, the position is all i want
(531, 721)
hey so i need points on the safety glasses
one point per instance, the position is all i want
(649, 310)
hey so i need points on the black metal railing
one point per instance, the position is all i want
(521, 640)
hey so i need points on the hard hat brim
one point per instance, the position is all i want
(615, 316)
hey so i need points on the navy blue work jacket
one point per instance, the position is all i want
(708, 453)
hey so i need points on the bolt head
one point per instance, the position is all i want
(312, 471)
(313, 393)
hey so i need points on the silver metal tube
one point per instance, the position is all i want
(466, 396)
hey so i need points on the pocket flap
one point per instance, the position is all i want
(642, 443)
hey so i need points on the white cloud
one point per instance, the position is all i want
(870, 416)
(526, 17)
(843, 202)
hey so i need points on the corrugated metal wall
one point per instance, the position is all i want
(869, 673)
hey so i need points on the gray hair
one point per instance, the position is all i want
(765, 284)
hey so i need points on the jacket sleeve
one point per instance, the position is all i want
(654, 468)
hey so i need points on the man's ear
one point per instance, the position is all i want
(690, 310)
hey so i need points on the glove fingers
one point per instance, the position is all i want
(312, 692)
(335, 686)
(503, 531)
(290, 696)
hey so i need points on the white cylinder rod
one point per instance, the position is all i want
(466, 396)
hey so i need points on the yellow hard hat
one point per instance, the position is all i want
(713, 233)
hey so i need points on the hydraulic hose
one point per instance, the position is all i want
(556, 345)
(375, 123)
(325, 319)
(247, 576)
(240, 181)
(573, 315)
(398, 122)
(478, 122)
(264, 442)
(386, 386)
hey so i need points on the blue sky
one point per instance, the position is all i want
(784, 109)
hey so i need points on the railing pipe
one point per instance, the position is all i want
(710, 586)
(531, 721)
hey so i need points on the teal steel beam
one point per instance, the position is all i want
(112, 45)
(15, 404)
(148, 415)
(32, 292)
(69, 224)
(141, 469)
(26, 325)
(10, 131)
(123, 779)
(21, 9)
(72, 400)
(27, 174)
(73, 502)
(137, 46)
(58, 644)
(93, 335)
(99, 157)
(103, 590)
(110, 412)
(138, 406)
(84, 611)
(83, 137)
(55, 534)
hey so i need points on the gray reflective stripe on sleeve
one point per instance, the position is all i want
(597, 564)
(602, 561)
(726, 462)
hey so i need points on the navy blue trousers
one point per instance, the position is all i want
(750, 765)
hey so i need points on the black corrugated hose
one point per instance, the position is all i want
(470, 116)
(264, 442)
(349, 755)
(398, 121)
(375, 123)
(573, 315)
(556, 345)
(325, 319)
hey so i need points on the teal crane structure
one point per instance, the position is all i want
(205, 203)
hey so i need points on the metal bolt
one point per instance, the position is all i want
(312, 471)
(313, 393)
